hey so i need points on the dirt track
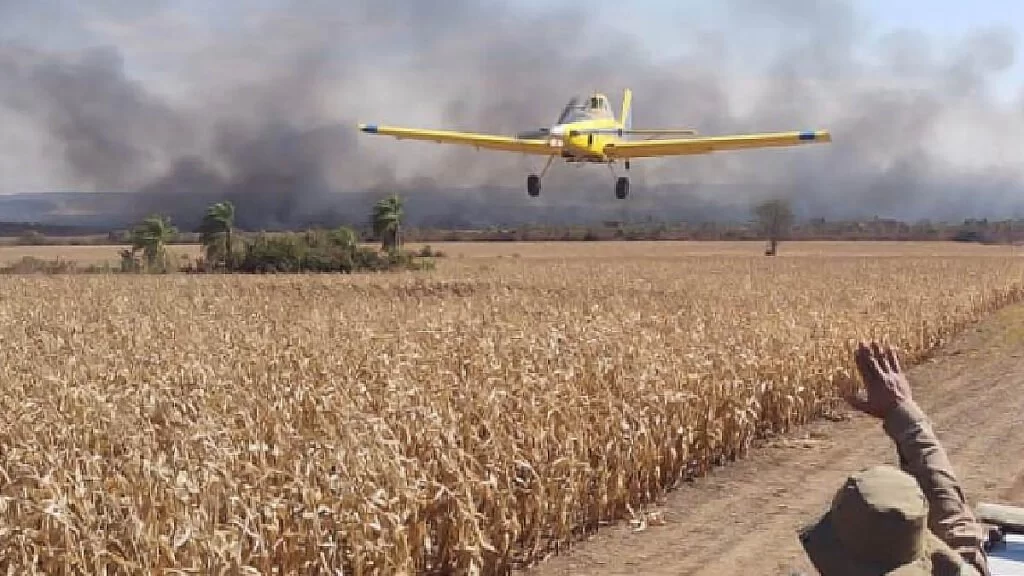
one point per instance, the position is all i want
(743, 518)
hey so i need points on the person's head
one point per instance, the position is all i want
(878, 525)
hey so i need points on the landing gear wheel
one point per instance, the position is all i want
(621, 187)
(533, 185)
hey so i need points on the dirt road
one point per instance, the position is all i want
(743, 518)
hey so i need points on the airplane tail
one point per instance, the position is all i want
(626, 120)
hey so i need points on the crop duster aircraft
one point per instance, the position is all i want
(587, 132)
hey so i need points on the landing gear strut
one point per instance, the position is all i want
(533, 181)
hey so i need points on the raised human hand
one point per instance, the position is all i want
(885, 384)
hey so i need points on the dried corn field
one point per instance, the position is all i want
(461, 421)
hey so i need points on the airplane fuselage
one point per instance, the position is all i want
(574, 133)
(578, 147)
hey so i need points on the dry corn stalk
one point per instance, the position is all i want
(462, 422)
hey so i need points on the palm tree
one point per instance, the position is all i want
(215, 232)
(151, 236)
(387, 221)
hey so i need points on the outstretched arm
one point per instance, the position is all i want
(921, 454)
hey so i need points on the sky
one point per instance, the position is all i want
(925, 99)
(665, 28)
(663, 23)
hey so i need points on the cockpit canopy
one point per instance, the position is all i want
(589, 108)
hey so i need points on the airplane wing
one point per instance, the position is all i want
(706, 145)
(538, 146)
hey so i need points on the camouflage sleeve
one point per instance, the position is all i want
(923, 457)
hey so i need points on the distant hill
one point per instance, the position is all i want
(447, 209)
(12, 229)
(60, 211)
(434, 216)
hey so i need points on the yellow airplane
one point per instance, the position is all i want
(587, 132)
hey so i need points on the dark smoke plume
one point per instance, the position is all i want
(261, 105)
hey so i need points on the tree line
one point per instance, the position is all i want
(771, 221)
(315, 250)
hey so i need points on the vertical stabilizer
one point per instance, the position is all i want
(626, 120)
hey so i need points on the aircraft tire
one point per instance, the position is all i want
(622, 187)
(533, 185)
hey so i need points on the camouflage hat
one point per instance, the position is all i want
(878, 525)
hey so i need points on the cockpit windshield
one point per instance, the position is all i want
(574, 111)
(579, 109)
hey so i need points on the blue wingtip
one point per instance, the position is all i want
(807, 136)
(369, 128)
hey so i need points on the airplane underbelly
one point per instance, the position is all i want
(585, 147)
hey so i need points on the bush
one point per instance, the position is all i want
(317, 251)
(270, 254)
